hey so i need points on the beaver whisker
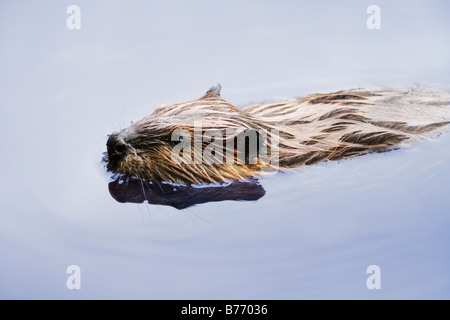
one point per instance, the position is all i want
(143, 190)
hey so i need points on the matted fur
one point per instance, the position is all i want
(311, 129)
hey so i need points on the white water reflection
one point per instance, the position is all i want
(314, 232)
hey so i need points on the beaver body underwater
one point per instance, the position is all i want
(301, 131)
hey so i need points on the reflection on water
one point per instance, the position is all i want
(183, 196)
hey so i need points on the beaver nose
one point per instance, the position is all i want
(116, 146)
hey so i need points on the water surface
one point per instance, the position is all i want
(313, 233)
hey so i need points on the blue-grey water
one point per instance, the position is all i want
(315, 231)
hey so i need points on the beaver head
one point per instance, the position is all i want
(145, 149)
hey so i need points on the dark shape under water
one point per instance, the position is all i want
(183, 196)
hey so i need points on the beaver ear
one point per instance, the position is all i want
(213, 92)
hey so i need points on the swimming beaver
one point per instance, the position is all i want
(301, 131)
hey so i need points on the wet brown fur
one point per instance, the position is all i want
(312, 129)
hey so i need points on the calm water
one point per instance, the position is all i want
(313, 233)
